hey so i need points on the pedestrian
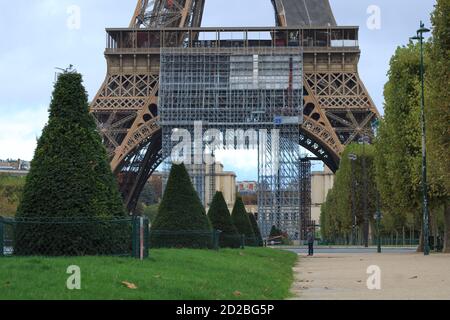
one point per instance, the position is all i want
(310, 237)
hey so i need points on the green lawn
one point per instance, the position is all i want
(253, 273)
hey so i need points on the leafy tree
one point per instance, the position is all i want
(438, 113)
(11, 188)
(398, 145)
(148, 195)
(181, 219)
(398, 156)
(337, 213)
(140, 209)
(151, 212)
(70, 177)
(242, 222)
(256, 230)
(221, 220)
(328, 224)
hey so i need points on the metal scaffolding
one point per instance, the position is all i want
(252, 98)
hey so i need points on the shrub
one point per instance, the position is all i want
(256, 230)
(221, 220)
(181, 221)
(70, 177)
(242, 222)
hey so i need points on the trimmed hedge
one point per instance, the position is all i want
(70, 177)
(256, 230)
(242, 222)
(181, 221)
(221, 220)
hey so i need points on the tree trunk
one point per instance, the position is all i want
(435, 232)
(420, 247)
(403, 236)
(446, 227)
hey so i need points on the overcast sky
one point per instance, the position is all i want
(36, 38)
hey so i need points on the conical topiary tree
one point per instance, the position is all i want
(256, 230)
(181, 221)
(221, 220)
(242, 222)
(70, 178)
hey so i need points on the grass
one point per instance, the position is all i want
(250, 274)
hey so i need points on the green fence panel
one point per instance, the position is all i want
(76, 236)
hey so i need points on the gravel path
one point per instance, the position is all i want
(343, 276)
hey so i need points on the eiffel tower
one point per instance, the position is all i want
(337, 109)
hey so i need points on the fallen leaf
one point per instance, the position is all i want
(237, 293)
(129, 285)
(157, 276)
(241, 254)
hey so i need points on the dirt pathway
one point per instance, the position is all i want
(344, 277)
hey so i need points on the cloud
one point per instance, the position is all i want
(19, 131)
(50, 7)
(239, 159)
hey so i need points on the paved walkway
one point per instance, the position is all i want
(343, 276)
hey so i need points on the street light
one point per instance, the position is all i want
(353, 157)
(426, 245)
(365, 140)
(378, 219)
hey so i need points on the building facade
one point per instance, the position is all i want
(321, 184)
(217, 179)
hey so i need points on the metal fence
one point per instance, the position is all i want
(68, 236)
(385, 241)
(103, 237)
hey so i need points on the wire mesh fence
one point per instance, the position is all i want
(385, 241)
(104, 237)
(66, 236)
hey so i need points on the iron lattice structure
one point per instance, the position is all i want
(337, 107)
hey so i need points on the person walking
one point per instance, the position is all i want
(310, 238)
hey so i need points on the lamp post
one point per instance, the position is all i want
(363, 140)
(426, 245)
(378, 217)
(353, 158)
